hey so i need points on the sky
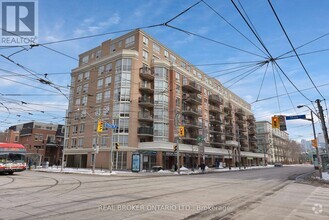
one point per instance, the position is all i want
(216, 34)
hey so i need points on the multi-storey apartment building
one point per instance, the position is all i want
(272, 142)
(147, 90)
(43, 141)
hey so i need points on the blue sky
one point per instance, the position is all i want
(303, 20)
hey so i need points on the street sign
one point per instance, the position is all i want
(199, 139)
(112, 126)
(293, 117)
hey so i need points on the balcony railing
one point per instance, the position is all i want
(191, 86)
(214, 109)
(191, 112)
(145, 116)
(146, 87)
(240, 112)
(146, 73)
(192, 98)
(145, 131)
(215, 99)
(146, 101)
(191, 124)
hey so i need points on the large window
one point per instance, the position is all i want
(130, 41)
(145, 41)
(156, 48)
(145, 55)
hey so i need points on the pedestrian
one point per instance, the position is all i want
(203, 167)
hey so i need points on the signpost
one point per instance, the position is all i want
(136, 162)
(111, 126)
(282, 120)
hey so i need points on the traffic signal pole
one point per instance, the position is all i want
(324, 127)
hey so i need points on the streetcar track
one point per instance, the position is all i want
(12, 180)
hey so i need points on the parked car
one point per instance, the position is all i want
(278, 165)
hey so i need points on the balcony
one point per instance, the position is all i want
(145, 116)
(214, 109)
(217, 142)
(146, 88)
(228, 107)
(145, 131)
(191, 86)
(215, 130)
(146, 102)
(229, 134)
(239, 121)
(146, 73)
(215, 120)
(228, 116)
(240, 112)
(191, 124)
(215, 99)
(192, 98)
(191, 112)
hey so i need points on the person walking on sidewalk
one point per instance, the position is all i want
(203, 167)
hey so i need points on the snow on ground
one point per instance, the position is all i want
(183, 170)
(325, 176)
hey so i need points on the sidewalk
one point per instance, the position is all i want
(105, 172)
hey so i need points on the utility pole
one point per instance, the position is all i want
(180, 133)
(317, 147)
(65, 140)
(239, 148)
(111, 152)
(324, 127)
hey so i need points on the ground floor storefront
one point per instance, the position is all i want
(161, 155)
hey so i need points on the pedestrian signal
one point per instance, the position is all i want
(117, 146)
(175, 148)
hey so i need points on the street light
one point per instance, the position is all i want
(314, 134)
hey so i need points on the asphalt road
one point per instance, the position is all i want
(253, 194)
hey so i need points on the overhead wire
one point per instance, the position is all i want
(230, 24)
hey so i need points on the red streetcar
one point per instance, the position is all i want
(12, 158)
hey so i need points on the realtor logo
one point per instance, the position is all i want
(19, 22)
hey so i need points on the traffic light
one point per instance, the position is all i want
(181, 131)
(315, 143)
(117, 146)
(275, 122)
(175, 148)
(100, 126)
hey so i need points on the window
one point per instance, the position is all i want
(108, 67)
(80, 142)
(82, 128)
(156, 48)
(85, 88)
(87, 75)
(166, 53)
(98, 54)
(80, 76)
(172, 58)
(84, 100)
(107, 95)
(120, 44)
(101, 70)
(188, 67)
(85, 59)
(183, 65)
(98, 97)
(99, 83)
(75, 129)
(177, 89)
(79, 89)
(145, 55)
(199, 75)
(74, 142)
(177, 102)
(112, 47)
(98, 111)
(130, 41)
(145, 41)
(177, 77)
(108, 81)
(77, 101)
(194, 72)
